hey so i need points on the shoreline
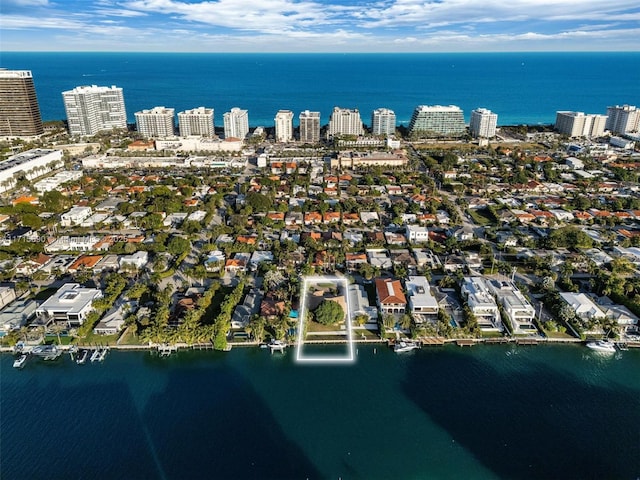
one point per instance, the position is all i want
(424, 342)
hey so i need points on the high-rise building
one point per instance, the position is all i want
(383, 122)
(309, 126)
(577, 124)
(198, 121)
(156, 123)
(483, 123)
(284, 126)
(437, 120)
(345, 121)
(236, 123)
(19, 110)
(93, 109)
(623, 119)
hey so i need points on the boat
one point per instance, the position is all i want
(405, 346)
(603, 346)
(82, 356)
(103, 353)
(46, 351)
(95, 355)
(20, 361)
(277, 345)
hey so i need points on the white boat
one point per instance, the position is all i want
(20, 361)
(602, 346)
(82, 357)
(46, 351)
(405, 346)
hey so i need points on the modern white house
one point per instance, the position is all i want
(417, 234)
(482, 304)
(70, 304)
(515, 306)
(136, 260)
(75, 216)
(72, 244)
(422, 304)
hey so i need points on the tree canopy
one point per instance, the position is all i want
(328, 313)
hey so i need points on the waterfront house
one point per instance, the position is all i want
(422, 304)
(70, 305)
(481, 303)
(390, 296)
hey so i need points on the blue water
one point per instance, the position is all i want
(520, 87)
(486, 412)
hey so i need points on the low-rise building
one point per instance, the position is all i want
(136, 260)
(16, 315)
(483, 306)
(582, 305)
(7, 295)
(417, 234)
(70, 304)
(422, 304)
(516, 307)
(75, 216)
(390, 296)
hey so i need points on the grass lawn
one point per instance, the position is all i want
(558, 334)
(130, 339)
(64, 340)
(318, 327)
(368, 334)
(492, 334)
(93, 339)
(481, 216)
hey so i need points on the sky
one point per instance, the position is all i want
(319, 25)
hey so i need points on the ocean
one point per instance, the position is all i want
(485, 412)
(522, 88)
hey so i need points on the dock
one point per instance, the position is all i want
(165, 350)
(277, 346)
(465, 342)
(527, 341)
(431, 341)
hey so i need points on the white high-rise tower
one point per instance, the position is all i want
(284, 126)
(483, 123)
(345, 121)
(156, 123)
(198, 121)
(94, 109)
(383, 122)
(236, 123)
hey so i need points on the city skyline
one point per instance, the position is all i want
(312, 26)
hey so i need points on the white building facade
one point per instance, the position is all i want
(70, 304)
(481, 303)
(31, 164)
(284, 126)
(93, 109)
(345, 121)
(156, 123)
(577, 124)
(383, 122)
(422, 303)
(236, 123)
(483, 123)
(623, 119)
(198, 121)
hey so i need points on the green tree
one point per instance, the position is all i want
(328, 313)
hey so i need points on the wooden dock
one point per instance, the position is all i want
(465, 342)
(527, 341)
(431, 341)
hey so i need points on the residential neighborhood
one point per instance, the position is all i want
(527, 236)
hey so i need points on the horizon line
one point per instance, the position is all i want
(328, 52)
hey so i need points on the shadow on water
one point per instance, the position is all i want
(532, 424)
(204, 424)
(215, 425)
